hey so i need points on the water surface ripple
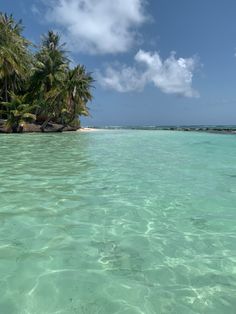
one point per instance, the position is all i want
(124, 222)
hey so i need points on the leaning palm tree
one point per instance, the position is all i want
(14, 56)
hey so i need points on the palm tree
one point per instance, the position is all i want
(14, 56)
(42, 86)
(62, 92)
(77, 93)
(19, 112)
(49, 72)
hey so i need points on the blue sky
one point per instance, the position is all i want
(156, 62)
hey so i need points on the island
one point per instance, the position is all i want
(40, 91)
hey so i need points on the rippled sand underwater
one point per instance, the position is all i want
(118, 222)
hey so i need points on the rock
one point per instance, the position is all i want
(3, 128)
(31, 127)
(70, 128)
(53, 127)
(37, 127)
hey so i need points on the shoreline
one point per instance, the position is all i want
(59, 128)
(87, 129)
(207, 129)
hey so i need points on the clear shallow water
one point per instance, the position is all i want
(118, 222)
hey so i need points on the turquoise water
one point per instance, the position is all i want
(118, 221)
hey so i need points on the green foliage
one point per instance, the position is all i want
(40, 87)
(15, 58)
(18, 112)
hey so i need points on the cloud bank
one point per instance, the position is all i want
(98, 26)
(171, 76)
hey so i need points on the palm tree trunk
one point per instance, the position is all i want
(6, 90)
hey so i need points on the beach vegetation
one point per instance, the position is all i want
(37, 83)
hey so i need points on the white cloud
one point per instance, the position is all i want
(35, 9)
(98, 26)
(171, 76)
(121, 78)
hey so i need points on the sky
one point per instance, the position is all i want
(155, 62)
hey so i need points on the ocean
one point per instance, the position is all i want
(118, 221)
